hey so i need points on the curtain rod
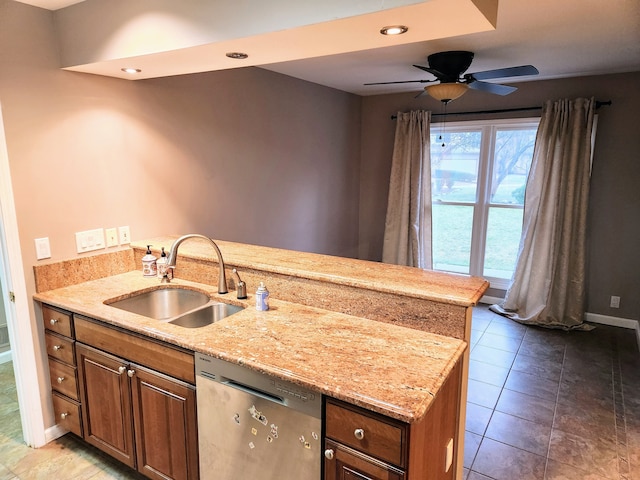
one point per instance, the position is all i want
(503, 110)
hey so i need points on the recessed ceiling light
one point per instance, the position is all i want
(394, 30)
(131, 70)
(237, 55)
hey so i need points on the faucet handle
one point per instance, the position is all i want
(241, 287)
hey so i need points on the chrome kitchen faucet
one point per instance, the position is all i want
(173, 256)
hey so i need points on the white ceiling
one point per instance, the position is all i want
(565, 38)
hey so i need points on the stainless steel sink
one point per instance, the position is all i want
(206, 316)
(164, 303)
(178, 306)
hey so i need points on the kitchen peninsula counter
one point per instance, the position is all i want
(389, 369)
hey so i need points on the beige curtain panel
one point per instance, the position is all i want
(548, 286)
(407, 233)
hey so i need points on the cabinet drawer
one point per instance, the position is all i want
(375, 435)
(57, 320)
(346, 463)
(60, 348)
(67, 413)
(63, 379)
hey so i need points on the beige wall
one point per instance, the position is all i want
(243, 155)
(614, 228)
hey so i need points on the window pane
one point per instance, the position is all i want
(451, 237)
(504, 228)
(454, 167)
(513, 153)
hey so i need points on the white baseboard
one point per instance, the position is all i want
(6, 356)
(614, 322)
(54, 432)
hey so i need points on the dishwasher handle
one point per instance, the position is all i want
(254, 391)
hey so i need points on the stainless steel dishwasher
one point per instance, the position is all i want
(255, 427)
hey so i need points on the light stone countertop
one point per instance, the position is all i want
(389, 369)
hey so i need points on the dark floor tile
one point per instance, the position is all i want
(532, 385)
(513, 329)
(549, 351)
(535, 409)
(546, 336)
(501, 342)
(471, 444)
(479, 323)
(537, 366)
(487, 373)
(477, 476)
(599, 456)
(583, 397)
(589, 423)
(477, 418)
(519, 433)
(483, 394)
(503, 462)
(562, 471)
(493, 356)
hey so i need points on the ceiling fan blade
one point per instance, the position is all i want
(403, 81)
(503, 73)
(492, 88)
(432, 71)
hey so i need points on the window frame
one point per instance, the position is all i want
(486, 166)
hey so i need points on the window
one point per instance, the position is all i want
(478, 180)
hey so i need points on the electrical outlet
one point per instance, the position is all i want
(125, 235)
(112, 237)
(43, 249)
(615, 302)
(448, 456)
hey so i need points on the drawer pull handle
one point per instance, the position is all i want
(328, 454)
(60, 379)
(64, 415)
(358, 433)
(131, 373)
(57, 347)
(121, 370)
(53, 321)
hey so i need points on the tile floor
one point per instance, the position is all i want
(543, 404)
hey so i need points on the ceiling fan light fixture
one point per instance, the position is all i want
(394, 30)
(446, 92)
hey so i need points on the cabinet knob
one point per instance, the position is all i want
(358, 433)
(131, 372)
(57, 347)
(328, 454)
(64, 415)
(53, 321)
(60, 379)
(121, 370)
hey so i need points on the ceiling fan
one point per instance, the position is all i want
(449, 67)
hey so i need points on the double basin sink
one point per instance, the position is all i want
(178, 306)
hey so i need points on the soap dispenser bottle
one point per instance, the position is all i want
(161, 265)
(149, 263)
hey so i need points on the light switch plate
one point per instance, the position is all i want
(90, 240)
(43, 248)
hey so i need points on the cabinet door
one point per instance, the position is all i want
(165, 424)
(106, 403)
(344, 463)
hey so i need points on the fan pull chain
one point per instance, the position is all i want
(444, 122)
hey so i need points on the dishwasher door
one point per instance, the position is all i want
(251, 426)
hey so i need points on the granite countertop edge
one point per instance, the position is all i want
(360, 361)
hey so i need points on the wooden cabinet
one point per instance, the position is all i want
(128, 395)
(139, 415)
(362, 445)
(59, 340)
